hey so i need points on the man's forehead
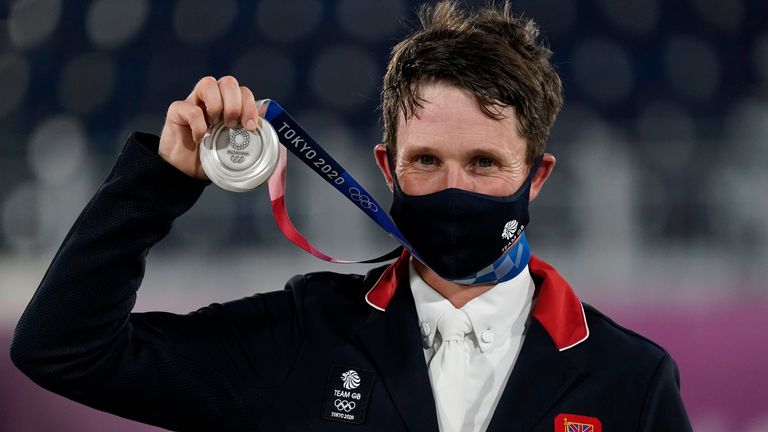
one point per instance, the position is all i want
(452, 115)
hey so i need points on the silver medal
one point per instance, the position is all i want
(237, 159)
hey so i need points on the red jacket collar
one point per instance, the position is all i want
(557, 307)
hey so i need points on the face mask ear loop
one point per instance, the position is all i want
(534, 168)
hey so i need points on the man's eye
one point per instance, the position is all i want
(426, 160)
(485, 162)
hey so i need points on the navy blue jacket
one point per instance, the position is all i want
(282, 360)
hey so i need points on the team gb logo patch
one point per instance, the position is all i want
(351, 379)
(509, 230)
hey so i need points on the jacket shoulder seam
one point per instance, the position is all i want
(592, 312)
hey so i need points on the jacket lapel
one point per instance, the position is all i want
(393, 342)
(540, 377)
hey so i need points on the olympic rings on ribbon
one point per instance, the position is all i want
(343, 405)
(363, 199)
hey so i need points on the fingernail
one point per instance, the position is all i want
(251, 125)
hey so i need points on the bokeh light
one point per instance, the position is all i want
(692, 67)
(603, 70)
(87, 82)
(288, 20)
(14, 79)
(56, 149)
(746, 134)
(667, 133)
(31, 22)
(345, 76)
(113, 23)
(724, 15)
(201, 21)
(21, 224)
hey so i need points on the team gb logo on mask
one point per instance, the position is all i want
(509, 230)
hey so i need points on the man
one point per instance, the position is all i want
(467, 104)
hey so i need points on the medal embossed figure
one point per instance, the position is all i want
(237, 159)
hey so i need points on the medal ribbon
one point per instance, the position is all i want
(295, 139)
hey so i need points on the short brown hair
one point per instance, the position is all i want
(492, 53)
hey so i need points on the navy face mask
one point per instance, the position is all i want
(456, 233)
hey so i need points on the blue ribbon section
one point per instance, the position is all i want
(505, 268)
(300, 143)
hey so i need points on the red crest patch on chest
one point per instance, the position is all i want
(577, 423)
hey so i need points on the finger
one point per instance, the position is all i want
(261, 107)
(230, 94)
(249, 115)
(206, 95)
(187, 114)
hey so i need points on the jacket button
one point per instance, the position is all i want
(425, 329)
(487, 336)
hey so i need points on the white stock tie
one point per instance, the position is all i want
(448, 369)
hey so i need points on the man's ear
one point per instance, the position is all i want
(380, 153)
(542, 174)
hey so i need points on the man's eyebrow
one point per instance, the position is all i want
(492, 153)
(421, 148)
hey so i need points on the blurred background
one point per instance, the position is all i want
(656, 212)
